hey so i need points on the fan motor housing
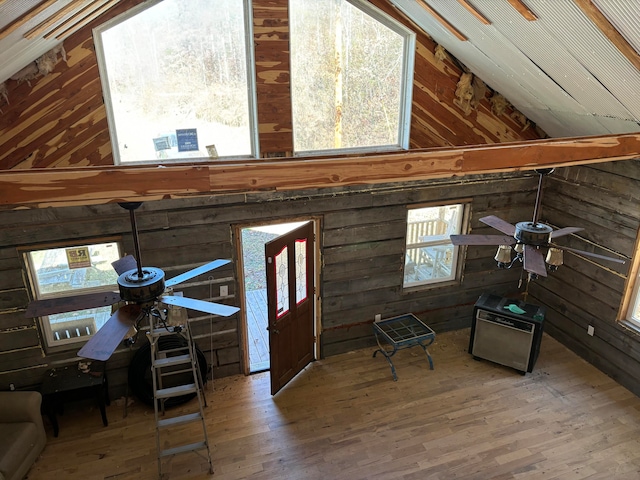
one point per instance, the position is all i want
(531, 233)
(134, 288)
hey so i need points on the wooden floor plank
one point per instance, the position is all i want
(345, 418)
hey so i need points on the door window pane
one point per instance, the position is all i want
(282, 282)
(301, 270)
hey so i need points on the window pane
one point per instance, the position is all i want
(347, 77)
(301, 270)
(430, 256)
(282, 282)
(56, 272)
(433, 223)
(62, 272)
(177, 81)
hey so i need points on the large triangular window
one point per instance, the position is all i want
(351, 76)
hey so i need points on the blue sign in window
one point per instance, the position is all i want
(187, 140)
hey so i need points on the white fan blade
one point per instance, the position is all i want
(200, 305)
(195, 272)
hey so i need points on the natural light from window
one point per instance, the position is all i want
(62, 272)
(430, 256)
(351, 68)
(176, 80)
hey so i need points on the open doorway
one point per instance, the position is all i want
(252, 241)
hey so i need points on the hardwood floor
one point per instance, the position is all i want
(345, 418)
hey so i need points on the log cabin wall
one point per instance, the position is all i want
(60, 120)
(603, 199)
(361, 245)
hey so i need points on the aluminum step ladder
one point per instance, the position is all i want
(178, 369)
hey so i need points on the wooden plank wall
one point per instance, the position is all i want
(362, 245)
(603, 199)
(60, 120)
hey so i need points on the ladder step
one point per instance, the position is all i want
(169, 361)
(180, 420)
(176, 391)
(183, 448)
(159, 332)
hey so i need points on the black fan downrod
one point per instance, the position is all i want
(143, 284)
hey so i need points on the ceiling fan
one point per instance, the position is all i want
(530, 240)
(142, 288)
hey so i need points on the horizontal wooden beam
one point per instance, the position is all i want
(100, 185)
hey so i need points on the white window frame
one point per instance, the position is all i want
(441, 240)
(251, 86)
(52, 344)
(406, 93)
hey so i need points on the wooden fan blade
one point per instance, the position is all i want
(565, 231)
(200, 305)
(534, 261)
(590, 254)
(482, 240)
(106, 340)
(124, 264)
(51, 306)
(499, 224)
(195, 272)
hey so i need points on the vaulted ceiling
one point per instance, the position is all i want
(571, 66)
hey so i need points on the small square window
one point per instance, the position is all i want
(430, 257)
(68, 271)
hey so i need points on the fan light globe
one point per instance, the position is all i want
(554, 257)
(503, 255)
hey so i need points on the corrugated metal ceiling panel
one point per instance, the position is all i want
(560, 71)
(592, 49)
(543, 48)
(625, 16)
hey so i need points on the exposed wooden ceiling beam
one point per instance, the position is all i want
(100, 185)
(607, 28)
(457, 33)
(474, 11)
(523, 10)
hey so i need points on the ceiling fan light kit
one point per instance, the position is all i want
(530, 240)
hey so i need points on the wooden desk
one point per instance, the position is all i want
(403, 331)
(68, 383)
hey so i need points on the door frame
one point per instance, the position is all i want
(237, 243)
